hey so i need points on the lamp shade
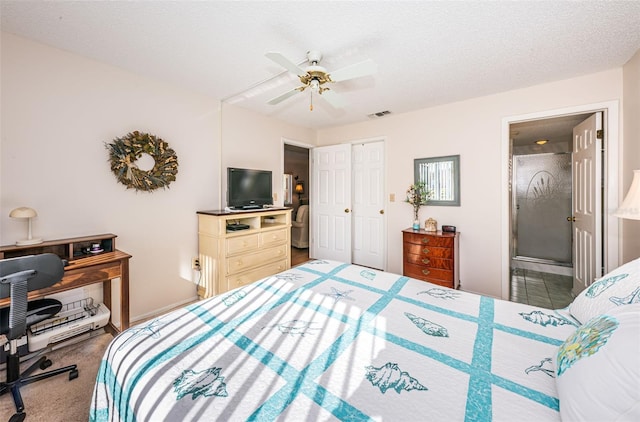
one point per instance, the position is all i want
(23, 212)
(630, 207)
(299, 187)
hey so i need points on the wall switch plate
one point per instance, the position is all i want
(392, 197)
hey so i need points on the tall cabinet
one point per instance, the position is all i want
(238, 248)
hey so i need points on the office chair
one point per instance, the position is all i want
(17, 277)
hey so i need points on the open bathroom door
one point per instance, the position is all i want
(587, 202)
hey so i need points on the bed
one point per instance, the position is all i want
(334, 341)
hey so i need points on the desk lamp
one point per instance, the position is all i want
(28, 213)
(630, 207)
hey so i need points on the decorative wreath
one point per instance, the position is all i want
(123, 153)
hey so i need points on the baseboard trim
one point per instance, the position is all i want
(163, 310)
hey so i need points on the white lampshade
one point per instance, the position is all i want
(23, 212)
(630, 207)
(28, 213)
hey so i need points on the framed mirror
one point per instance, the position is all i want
(441, 176)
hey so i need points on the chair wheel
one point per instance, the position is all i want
(18, 417)
(73, 374)
(45, 364)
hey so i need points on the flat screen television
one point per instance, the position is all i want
(248, 189)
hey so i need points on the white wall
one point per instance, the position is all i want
(472, 129)
(251, 140)
(58, 111)
(631, 151)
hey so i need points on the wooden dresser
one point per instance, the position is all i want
(233, 258)
(431, 256)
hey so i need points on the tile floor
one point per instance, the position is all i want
(552, 291)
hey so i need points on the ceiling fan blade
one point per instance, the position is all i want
(332, 98)
(356, 70)
(286, 63)
(284, 96)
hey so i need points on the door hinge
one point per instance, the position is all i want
(600, 134)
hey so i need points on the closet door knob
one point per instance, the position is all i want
(381, 211)
(347, 210)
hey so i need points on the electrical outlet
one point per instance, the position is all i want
(195, 264)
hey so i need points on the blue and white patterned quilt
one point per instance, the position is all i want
(333, 341)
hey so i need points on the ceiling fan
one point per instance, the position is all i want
(315, 77)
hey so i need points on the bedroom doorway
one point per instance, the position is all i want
(296, 191)
(556, 171)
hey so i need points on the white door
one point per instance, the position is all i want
(587, 202)
(368, 243)
(331, 203)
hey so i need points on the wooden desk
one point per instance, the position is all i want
(84, 271)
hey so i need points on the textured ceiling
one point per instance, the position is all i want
(427, 53)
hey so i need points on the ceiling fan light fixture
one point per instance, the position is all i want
(316, 77)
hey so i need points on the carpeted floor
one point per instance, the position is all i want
(57, 398)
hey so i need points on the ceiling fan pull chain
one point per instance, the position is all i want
(311, 105)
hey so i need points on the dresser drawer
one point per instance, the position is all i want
(273, 237)
(420, 272)
(254, 275)
(428, 240)
(428, 251)
(428, 261)
(244, 262)
(242, 244)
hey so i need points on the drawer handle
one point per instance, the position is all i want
(425, 240)
(425, 272)
(425, 250)
(426, 261)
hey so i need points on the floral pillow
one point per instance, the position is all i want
(598, 368)
(620, 287)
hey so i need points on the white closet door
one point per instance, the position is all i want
(331, 203)
(369, 240)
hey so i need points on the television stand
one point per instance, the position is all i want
(239, 247)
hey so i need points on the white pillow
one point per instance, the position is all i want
(620, 286)
(598, 368)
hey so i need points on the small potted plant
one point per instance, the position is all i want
(417, 195)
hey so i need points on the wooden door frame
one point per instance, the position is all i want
(612, 174)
